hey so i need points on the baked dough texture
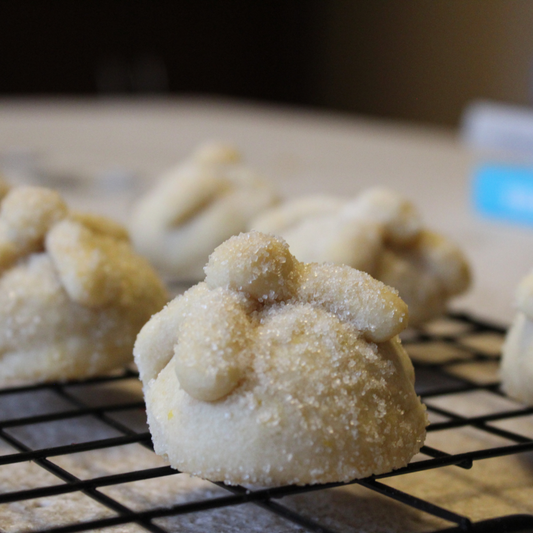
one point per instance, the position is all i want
(73, 293)
(274, 372)
(517, 353)
(378, 232)
(195, 207)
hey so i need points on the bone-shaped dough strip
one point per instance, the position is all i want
(85, 263)
(396, 215)
(355, 297)
(282, 217)
(211, 345)
(158, 337)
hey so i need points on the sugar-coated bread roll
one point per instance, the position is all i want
(73, 293)
(517, 354)
(273, 371)
(378, 232)
(195, 207)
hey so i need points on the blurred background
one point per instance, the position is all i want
(418, 60)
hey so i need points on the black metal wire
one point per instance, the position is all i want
(268, 499)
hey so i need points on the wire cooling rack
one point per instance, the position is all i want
(78, 457)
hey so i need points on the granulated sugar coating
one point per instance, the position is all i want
(73, 294)
(378, 232)
(276, 372)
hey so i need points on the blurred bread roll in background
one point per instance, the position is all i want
(378, 232)
(195, 207)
